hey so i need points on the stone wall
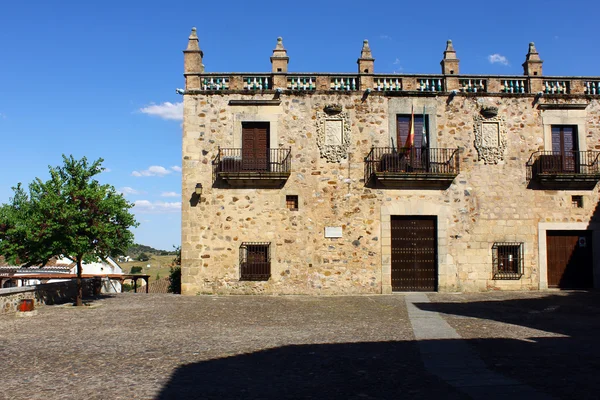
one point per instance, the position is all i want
(45, 294)
(486, 203)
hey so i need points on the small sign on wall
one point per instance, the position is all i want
(333, 231)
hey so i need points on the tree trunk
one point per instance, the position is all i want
(79, 300)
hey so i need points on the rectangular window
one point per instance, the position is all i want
(577, 201)
(507, 258)
(421, 130)
(291, 202)
(255, 261)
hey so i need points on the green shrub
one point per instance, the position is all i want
(175, 280)
(136, 270)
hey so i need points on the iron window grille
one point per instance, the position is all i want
(508, 260)
(291, 202)
(255, 261)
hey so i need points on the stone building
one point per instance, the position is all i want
(325, 183)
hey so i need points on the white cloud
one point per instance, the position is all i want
(497, 59)
(154, 170)
(385, 37)
(126, 190)
(176, 168)
(166, 110)
(107, 170)
(397, 61)
(169, 194)
(157, 207)
(3, 116)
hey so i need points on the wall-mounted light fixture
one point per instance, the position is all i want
(198, 190)
(180, 91)
(278, 92)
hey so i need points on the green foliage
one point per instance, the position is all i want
(143, 257)
(71, 214)
(157, 276)
(126, 287)
(175, 280)
(134, 250)
(177, 252)
(136, 270)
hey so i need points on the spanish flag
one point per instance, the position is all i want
(410, 139)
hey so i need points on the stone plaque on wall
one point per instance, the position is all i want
(490, 138)
(333, 133)
(333, 231)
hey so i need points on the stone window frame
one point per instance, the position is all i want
(502, 247)
(241, 117)
(564, 117)
(404, 106)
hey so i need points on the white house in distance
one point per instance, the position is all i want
(61, 269)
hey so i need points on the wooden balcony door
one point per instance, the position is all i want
(416, 158)
(255, 146)
(564, 142)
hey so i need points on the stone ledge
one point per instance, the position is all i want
(13, 290)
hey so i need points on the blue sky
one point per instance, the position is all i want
(98, 78)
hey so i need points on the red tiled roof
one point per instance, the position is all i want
(52, 264)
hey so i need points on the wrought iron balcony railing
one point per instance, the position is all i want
(434, 164)
(240, 163)
(565, 165)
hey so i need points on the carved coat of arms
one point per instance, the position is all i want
(333, 133)
(490, 136)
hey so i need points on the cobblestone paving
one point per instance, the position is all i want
(147, 346)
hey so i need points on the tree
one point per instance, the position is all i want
(71, 214)
(175, 273)
(143, 257)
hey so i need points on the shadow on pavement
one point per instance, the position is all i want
(567, 367)
(381, 370)
(564, 367)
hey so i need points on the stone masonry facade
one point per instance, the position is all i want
(491, 199)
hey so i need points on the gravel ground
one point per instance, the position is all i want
(548, 340)
(157, 346)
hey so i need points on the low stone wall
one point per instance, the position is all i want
(47, 293)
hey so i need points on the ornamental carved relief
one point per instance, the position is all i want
(490, 138)
(333, 133)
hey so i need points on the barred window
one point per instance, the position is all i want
(255, 261)
(507, 258)
(291, 201)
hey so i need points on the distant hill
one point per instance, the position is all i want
(137, 249)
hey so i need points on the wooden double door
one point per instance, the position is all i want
(414, 253)
(569, 257)
(255, 146)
